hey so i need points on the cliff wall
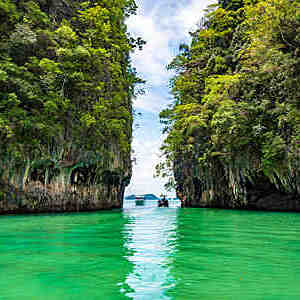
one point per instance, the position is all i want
(74, 187)
(66, 88)
(260, 194)
(234, 125)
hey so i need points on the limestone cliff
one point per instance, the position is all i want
(221, 192)
(66, 89)
(70, 191)
(234, 125)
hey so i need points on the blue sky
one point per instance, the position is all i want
(164, 25)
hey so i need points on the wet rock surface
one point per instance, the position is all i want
(37, 198)
(260, 195)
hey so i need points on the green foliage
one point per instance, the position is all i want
(66, 85)
(236, 112)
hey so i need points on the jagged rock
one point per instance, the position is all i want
(261, 195)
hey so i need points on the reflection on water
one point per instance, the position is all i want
(151, 253)
(151, 239)
(149, 203)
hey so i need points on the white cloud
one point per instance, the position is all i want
(190, 15)
(147, 155)
(151, 61)
(163, 24)
(151, 102)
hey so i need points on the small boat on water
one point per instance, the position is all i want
(163, 202)
(139, 200)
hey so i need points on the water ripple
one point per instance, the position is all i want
(151, 253)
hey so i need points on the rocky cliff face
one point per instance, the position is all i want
(233, 127)
(70, 191)
(260, 194)
(66, 88)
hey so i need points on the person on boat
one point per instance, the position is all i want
(160, 203)
(163, 202)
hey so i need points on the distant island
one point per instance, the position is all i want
(146, 197)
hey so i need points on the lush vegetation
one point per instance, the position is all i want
(235, 120)
(66, 88)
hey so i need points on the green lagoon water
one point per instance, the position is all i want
(151, 253)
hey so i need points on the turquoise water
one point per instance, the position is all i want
(151, 253)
